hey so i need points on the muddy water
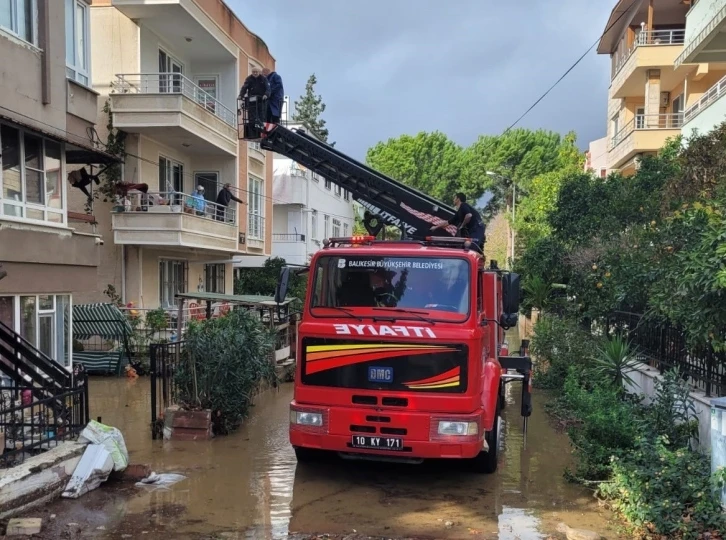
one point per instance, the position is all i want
(248, 485)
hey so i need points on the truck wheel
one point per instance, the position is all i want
(305, 455)
(486, 462)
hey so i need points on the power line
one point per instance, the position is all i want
(566, 73)
(186, 174)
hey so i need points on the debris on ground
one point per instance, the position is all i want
(24, 526)
(577, 534)
(160, 481)
(92, 470)
(111, 438)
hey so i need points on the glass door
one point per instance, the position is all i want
(171, 73)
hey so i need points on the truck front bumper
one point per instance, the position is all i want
(414, 435)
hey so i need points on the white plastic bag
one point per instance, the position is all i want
(111, 438)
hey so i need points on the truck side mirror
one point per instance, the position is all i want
(282, 285)
(510, 300)
(510, 293)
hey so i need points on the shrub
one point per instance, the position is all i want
(225, 359)
(660, 490)
(558, 343)
(605, 424)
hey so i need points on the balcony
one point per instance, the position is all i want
(656, 49)
(708, 112)
(705, 33)
(643, 134)
(174, 219)
(173, 110)
(291, 247)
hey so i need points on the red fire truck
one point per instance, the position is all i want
(401, 351)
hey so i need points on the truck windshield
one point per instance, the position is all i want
(367, 281)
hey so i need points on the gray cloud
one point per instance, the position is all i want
(464, 67)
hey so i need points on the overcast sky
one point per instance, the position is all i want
(464, 67)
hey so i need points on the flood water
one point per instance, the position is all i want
(249, 485)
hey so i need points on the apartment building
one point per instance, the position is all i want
(705, 45)
(596, 158)
(167, 75)
(47, 111)
(647, 95)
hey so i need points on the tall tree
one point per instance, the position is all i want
(309, 108)
(429, 162)
(517, 156)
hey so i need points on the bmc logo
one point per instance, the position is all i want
(383, 330)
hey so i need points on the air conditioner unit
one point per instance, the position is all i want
(665, 98)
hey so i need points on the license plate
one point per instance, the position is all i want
(378, 374)
(377, 443)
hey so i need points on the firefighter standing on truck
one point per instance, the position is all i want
(467, 220)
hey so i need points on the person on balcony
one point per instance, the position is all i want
(196, 202)
(277, 96)
(256, 85)
(224, 197)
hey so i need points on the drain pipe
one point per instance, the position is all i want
(123, 274)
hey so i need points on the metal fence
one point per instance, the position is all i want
(32, 420)
(664, 346)
(164, 362)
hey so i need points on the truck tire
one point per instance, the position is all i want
(306, 455)
(486, 462)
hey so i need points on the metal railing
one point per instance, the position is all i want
(651, 38)
(714, 21)
(176, 202)
(647, 122)
(288, 237)
(172, 83)
(30, 425)
(664, 346)
(713, 94)
(164, 363)
(255, 227)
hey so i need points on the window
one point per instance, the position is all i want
(326, 227)
(171, 177)
(337, 190)
(314, 225)
(603, 173)
(346, 194)
(19, 18)
(43, 320)
(214, 278)
(327, 184)
(336, 227)
(172, 280)
(78, 42)
(256, 209)
(345, 229)
(316, 177)
(31, 176)
(172, 74)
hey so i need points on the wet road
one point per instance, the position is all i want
(248, 485)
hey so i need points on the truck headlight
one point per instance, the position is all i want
(306, 418)
(458, 428)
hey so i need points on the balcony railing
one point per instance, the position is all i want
(713, 94)
(285, 237)
(256, 227)
(175, 84)
(651, 38)
(647, 122)
(175, 202)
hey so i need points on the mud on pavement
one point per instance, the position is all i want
(249, 485)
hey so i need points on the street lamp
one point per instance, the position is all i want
(514, 204)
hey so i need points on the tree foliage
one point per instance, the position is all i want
(309, 109)
(654, 242)
(429, 162)
(263, 280)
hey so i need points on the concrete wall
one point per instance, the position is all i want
(645, 378)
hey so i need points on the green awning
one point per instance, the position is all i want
(241, 299)
(103, 320)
